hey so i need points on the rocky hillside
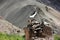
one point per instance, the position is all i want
(18, 11)
(7, 27)
(53, 3)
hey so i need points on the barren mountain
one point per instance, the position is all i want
(17, 12)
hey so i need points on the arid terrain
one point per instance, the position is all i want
(17, 11)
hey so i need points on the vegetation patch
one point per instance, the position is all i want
(4, 36)
(56, 37)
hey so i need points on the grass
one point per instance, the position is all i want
(4, 36)
(56, 37)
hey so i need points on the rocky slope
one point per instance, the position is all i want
(17, 11)
(8, 28)
(53, 3)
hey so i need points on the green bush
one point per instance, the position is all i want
(4, 36)
(56, 37)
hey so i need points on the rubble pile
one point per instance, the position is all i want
(36, 29)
